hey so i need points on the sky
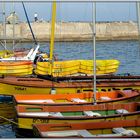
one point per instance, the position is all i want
(75, 11)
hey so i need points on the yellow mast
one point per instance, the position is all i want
(52, 35)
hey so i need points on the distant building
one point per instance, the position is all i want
(12, 18)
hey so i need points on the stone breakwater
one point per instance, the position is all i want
(73, 31)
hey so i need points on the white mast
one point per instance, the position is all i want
(94, 50)
(4, 25)
(138, 15)
(13, 10)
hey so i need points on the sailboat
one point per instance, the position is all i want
(72, 67)
(7, 55)
(18, 65)
(32, 53)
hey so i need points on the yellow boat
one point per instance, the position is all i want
(16, 68)
(16, 71)
(71, 67)
(18, 85)
(6, 68)
(11, 53)
(22, 73)
(6, 53)
(29, 115)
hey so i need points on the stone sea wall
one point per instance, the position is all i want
(73, 31)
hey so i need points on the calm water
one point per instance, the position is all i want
(127, 52)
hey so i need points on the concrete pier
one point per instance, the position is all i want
(73, 31)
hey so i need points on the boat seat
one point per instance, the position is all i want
(37, 101)
(106, 98)
(67, 133)
(49, 101)
(56, 114)
(121, 111)
(43, 114)
(107, 135)
(124, 131)
(77, 100)
(84, 133)
(91, 113)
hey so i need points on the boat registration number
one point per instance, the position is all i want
(20, 88)
(40, 121)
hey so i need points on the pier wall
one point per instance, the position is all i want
(73, 31)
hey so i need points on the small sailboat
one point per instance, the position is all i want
(102, 129)
(14, 55)
(20, 63)
(72, 67)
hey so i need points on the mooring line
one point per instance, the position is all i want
(12, 121)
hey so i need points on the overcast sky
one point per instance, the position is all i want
(77, 11)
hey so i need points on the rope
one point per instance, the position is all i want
(12, 121)
(29, 24)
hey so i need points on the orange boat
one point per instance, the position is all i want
(78, 98)
(103, 129)
(28, 115)
(15, 63)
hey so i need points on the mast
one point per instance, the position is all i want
(52, 34)
(138, 18)
(4, 25)
(94, 50)
(13, 9)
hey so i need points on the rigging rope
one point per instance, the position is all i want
(29, 24)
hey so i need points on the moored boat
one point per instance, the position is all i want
(16, 68)
(78, 98)
(77, 67)
(17, 53)
(103, 129)
(18, 85)
(28, 115)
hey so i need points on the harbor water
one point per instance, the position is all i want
(127, 52)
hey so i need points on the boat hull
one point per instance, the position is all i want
(16, 68)
(27, 122)
(89, 130)
(77, 98)
(15, 85)
(72, 67)
(76, 113)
